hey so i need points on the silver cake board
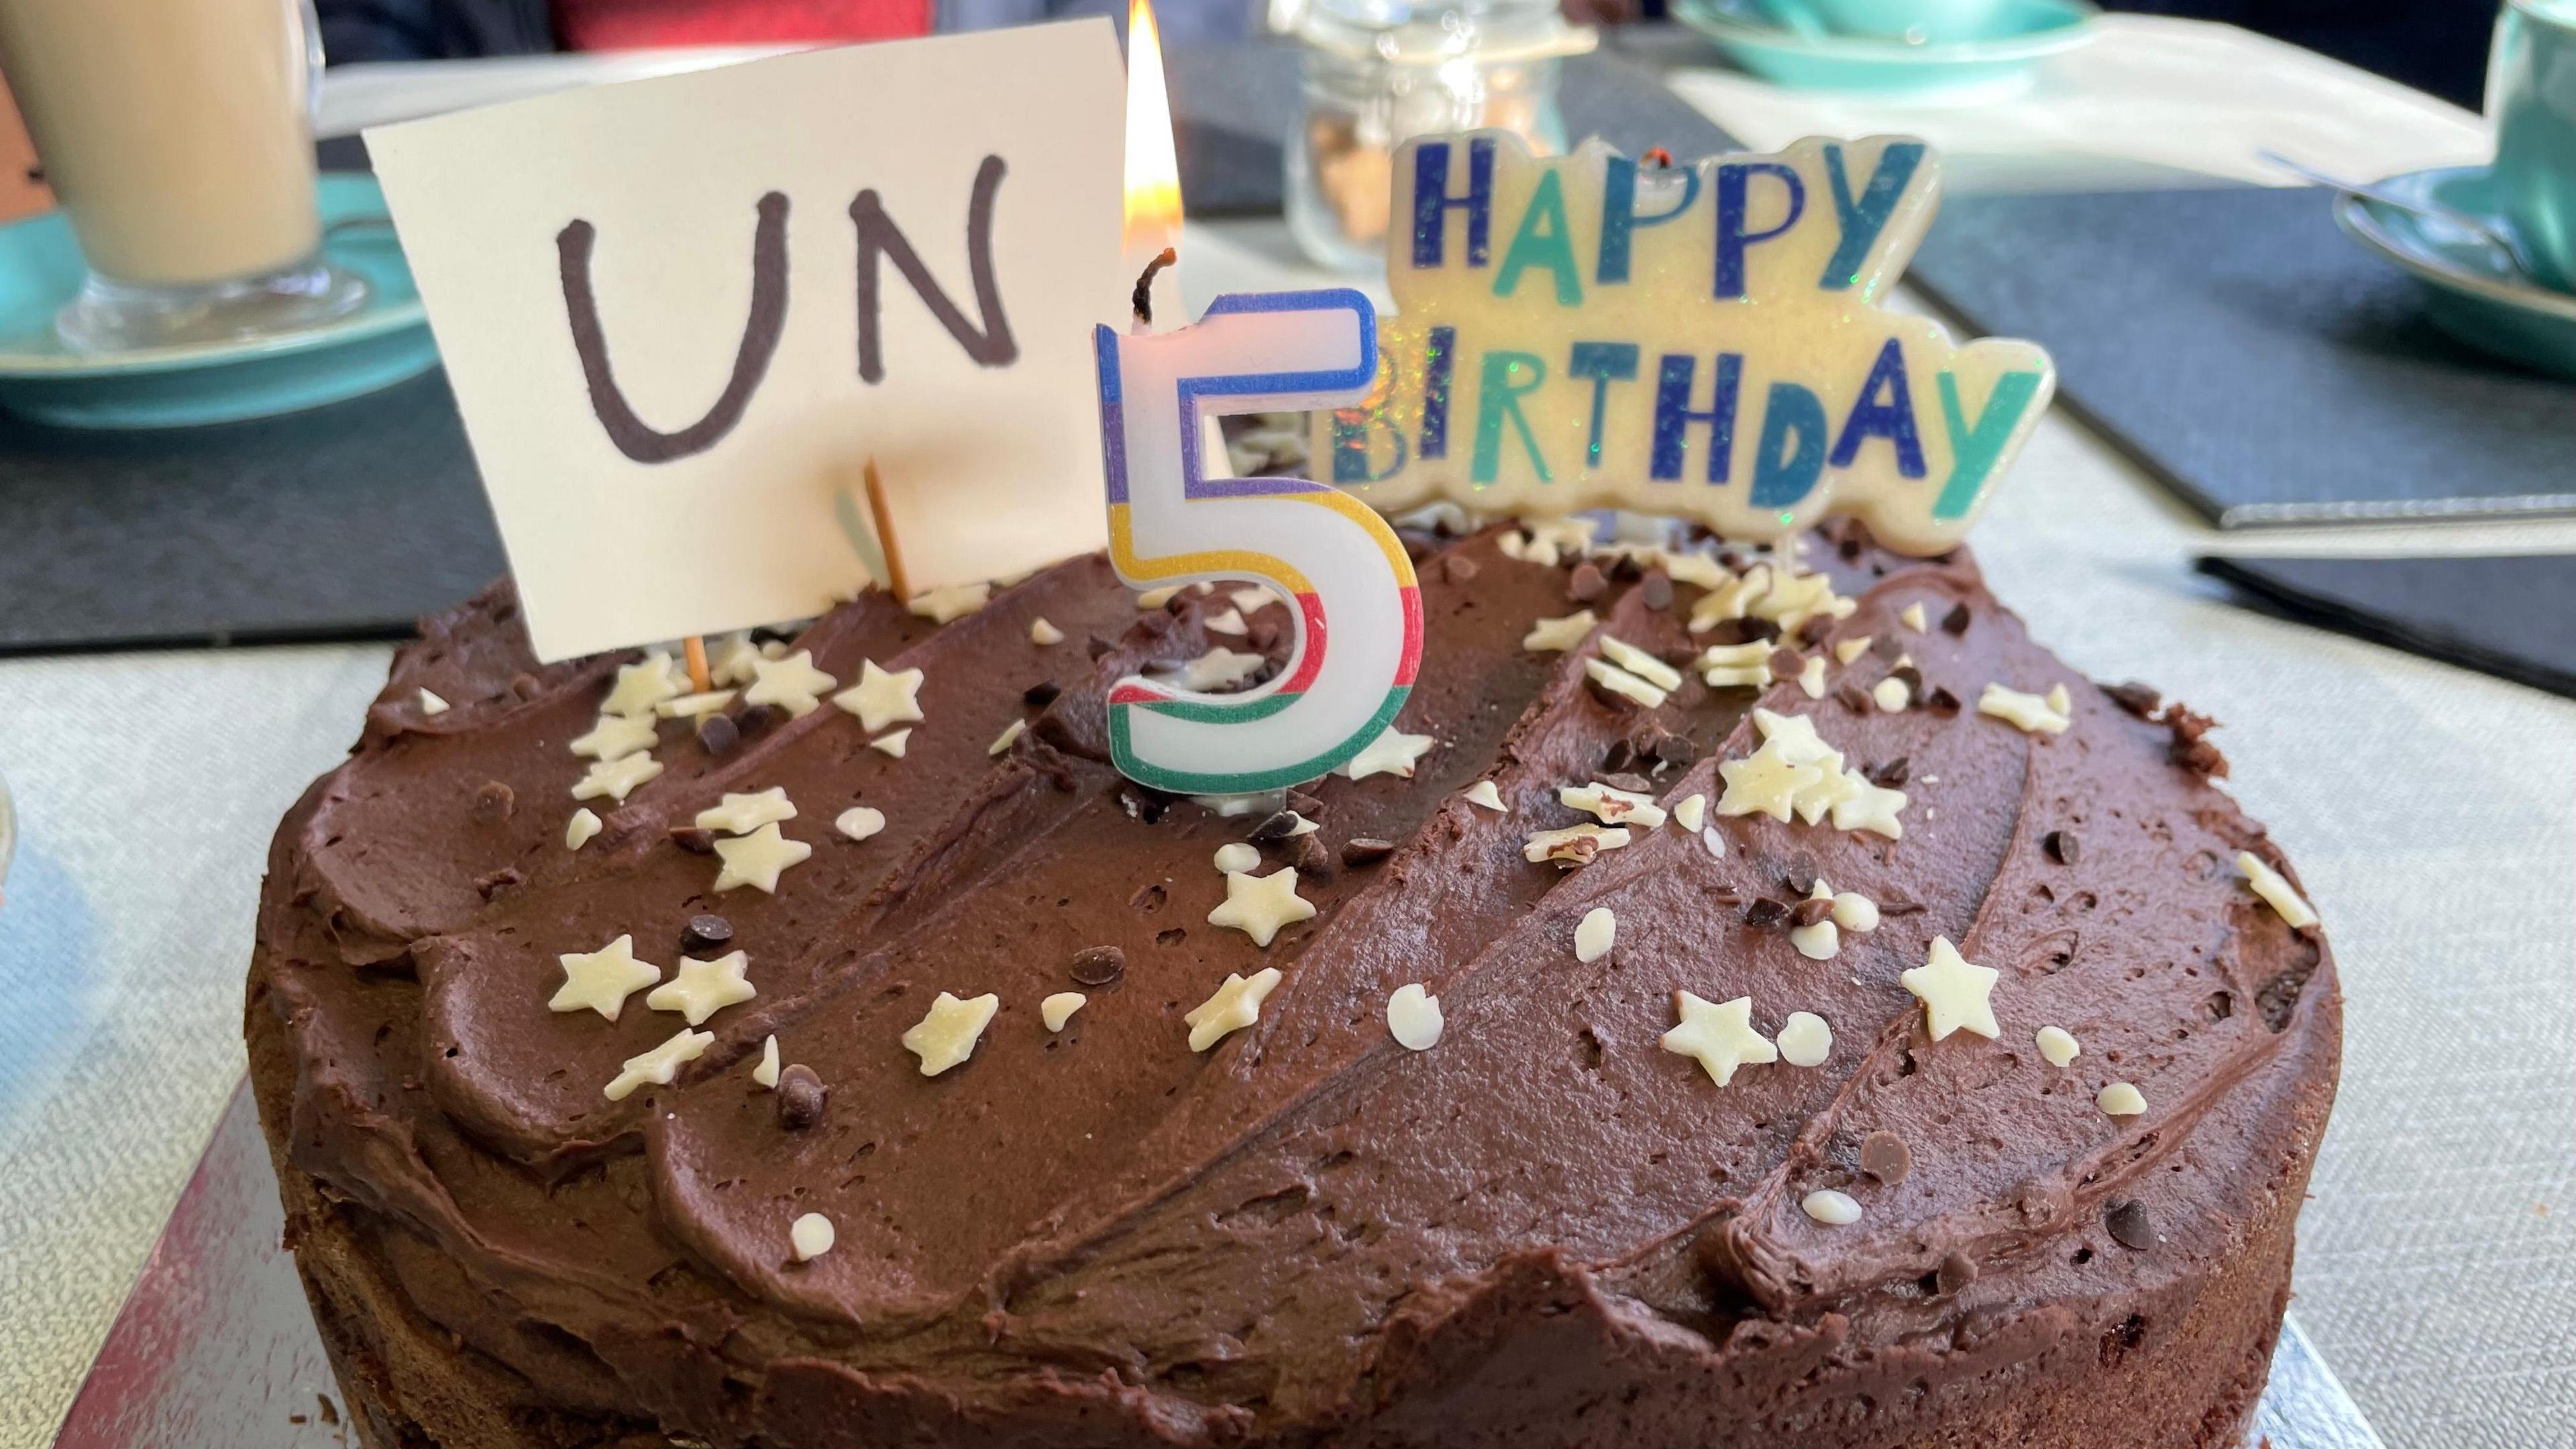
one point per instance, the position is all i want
(215, 1348)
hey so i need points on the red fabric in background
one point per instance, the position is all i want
(638, 24)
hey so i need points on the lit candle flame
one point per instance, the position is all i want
(1153, 212)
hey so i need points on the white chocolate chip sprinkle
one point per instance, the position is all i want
(1847, 650)
(1811, 677)
(1044, 634)
(1715, 842)
(1855, 912)
(2060, 701)
(2058, 1045)
(1595, 934)
(659, 1066)
(1153, 599)
(1805, 1040)
(1819, 942)
(860, 821)
(1010, 734)
(741, 814)
(1691, 812)
(1259, 906)
(1912, 617)
(1234, 1006)
(1228, 621)
(1891, 695)
(431, 703)
(1833, 1209)
(765, 1071)
(2121, 1099)
(579, 830)
(1413, 1018)
(1059, 1008)
(947, 1034)
(2275, 890)
(811, 1236)
(1483, 793)
(1234, 857)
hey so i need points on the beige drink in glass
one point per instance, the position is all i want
(177, 135)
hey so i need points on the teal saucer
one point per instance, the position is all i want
(377, 346)
(2023, 32)
(2471, 290)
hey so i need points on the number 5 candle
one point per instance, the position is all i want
(1350, 585)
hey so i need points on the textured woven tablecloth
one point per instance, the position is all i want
(2431, 811)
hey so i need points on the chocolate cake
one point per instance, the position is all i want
(1839, 1024)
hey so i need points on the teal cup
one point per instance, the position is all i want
(2531, 98)
(1921, 21)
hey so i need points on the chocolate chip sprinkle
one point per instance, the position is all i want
(1096, 965)
(1956, 621)
(1657, 590)
(1587, 583)
(2137, 698)
(1622, 780)
(758, 718)
(1366, 850)
(1310, 857)
(1619, 756)
(706, 931)
(717, 735)
(1884, 1155)
(1956, 1272)
(525, 686)
(1725, 897)
(1892, 774)
(1764, 912)
(1040, 694)
(1310, 806)
(493, 883)
(801, 1095)
(1279, 826)
(1852, 697)
(2061, 846)
(695, 839)
(2130, 1225)
(1811, 910)
(494, 801)
(1785, 663)
(1799, 875)
(1097, 647)
(1673, 751)
(1941, 701)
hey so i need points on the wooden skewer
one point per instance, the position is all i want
(695, 646)
(884, 520)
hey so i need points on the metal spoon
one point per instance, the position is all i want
(2496, 239)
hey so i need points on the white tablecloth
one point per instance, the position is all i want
(2431, 810)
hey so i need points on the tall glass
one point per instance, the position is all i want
(178, 136)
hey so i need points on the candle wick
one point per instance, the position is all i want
(1662, 159)
(1143, 298)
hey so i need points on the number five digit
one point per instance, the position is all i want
(1346, 575)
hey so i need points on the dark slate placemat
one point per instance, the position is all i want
(350, 521)
(2441, 608)
(1233, 105)
(2251, 355)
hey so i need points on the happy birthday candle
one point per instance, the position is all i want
(1356, 605)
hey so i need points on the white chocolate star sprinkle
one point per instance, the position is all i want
(1833, 1209)
(811, 1236)
(729, 658)
(1730, 600)
(1870, 807)
(1010, 735)
(1059, 1008)
(703, 988)
(660, 1065)
(1891, 695)
(1912, 617)
(860, 821)
(2058, 1045)
(1043, 634)
(1259, 905)
(431, 703)
(1391, 753)
(578, 831)
(1613, 806)
(765, 1071)
(1555, 636)
(1236, 1005)
(1640, 663)
(2120, 1099)
(1413, 1018)
(1623, 684)
(642, 685)
(1234, 857)
(1575, 844)
(2026, 712)
(2268, 883)
(616, 778)
(955, 601)
(1229, 621)
(741, 814)
(1691, 813)
(1793, 599)
(792, 683)
(1483, 793)
(1806, 1040)
(892, 744)
(1954, 991)
(616, 736)
(1595, 934)
(693, 706)
(1765, 782)
(601, 980)
(1219, 668)
(882, 697)
(756, 859)
(948, 1033)
(1719, 1035)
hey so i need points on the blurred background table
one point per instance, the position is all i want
(2432, 811)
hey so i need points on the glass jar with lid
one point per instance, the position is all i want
(1379, 72)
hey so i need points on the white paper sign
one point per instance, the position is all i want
(680, 314)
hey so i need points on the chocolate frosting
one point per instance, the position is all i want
(1308, 1233)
